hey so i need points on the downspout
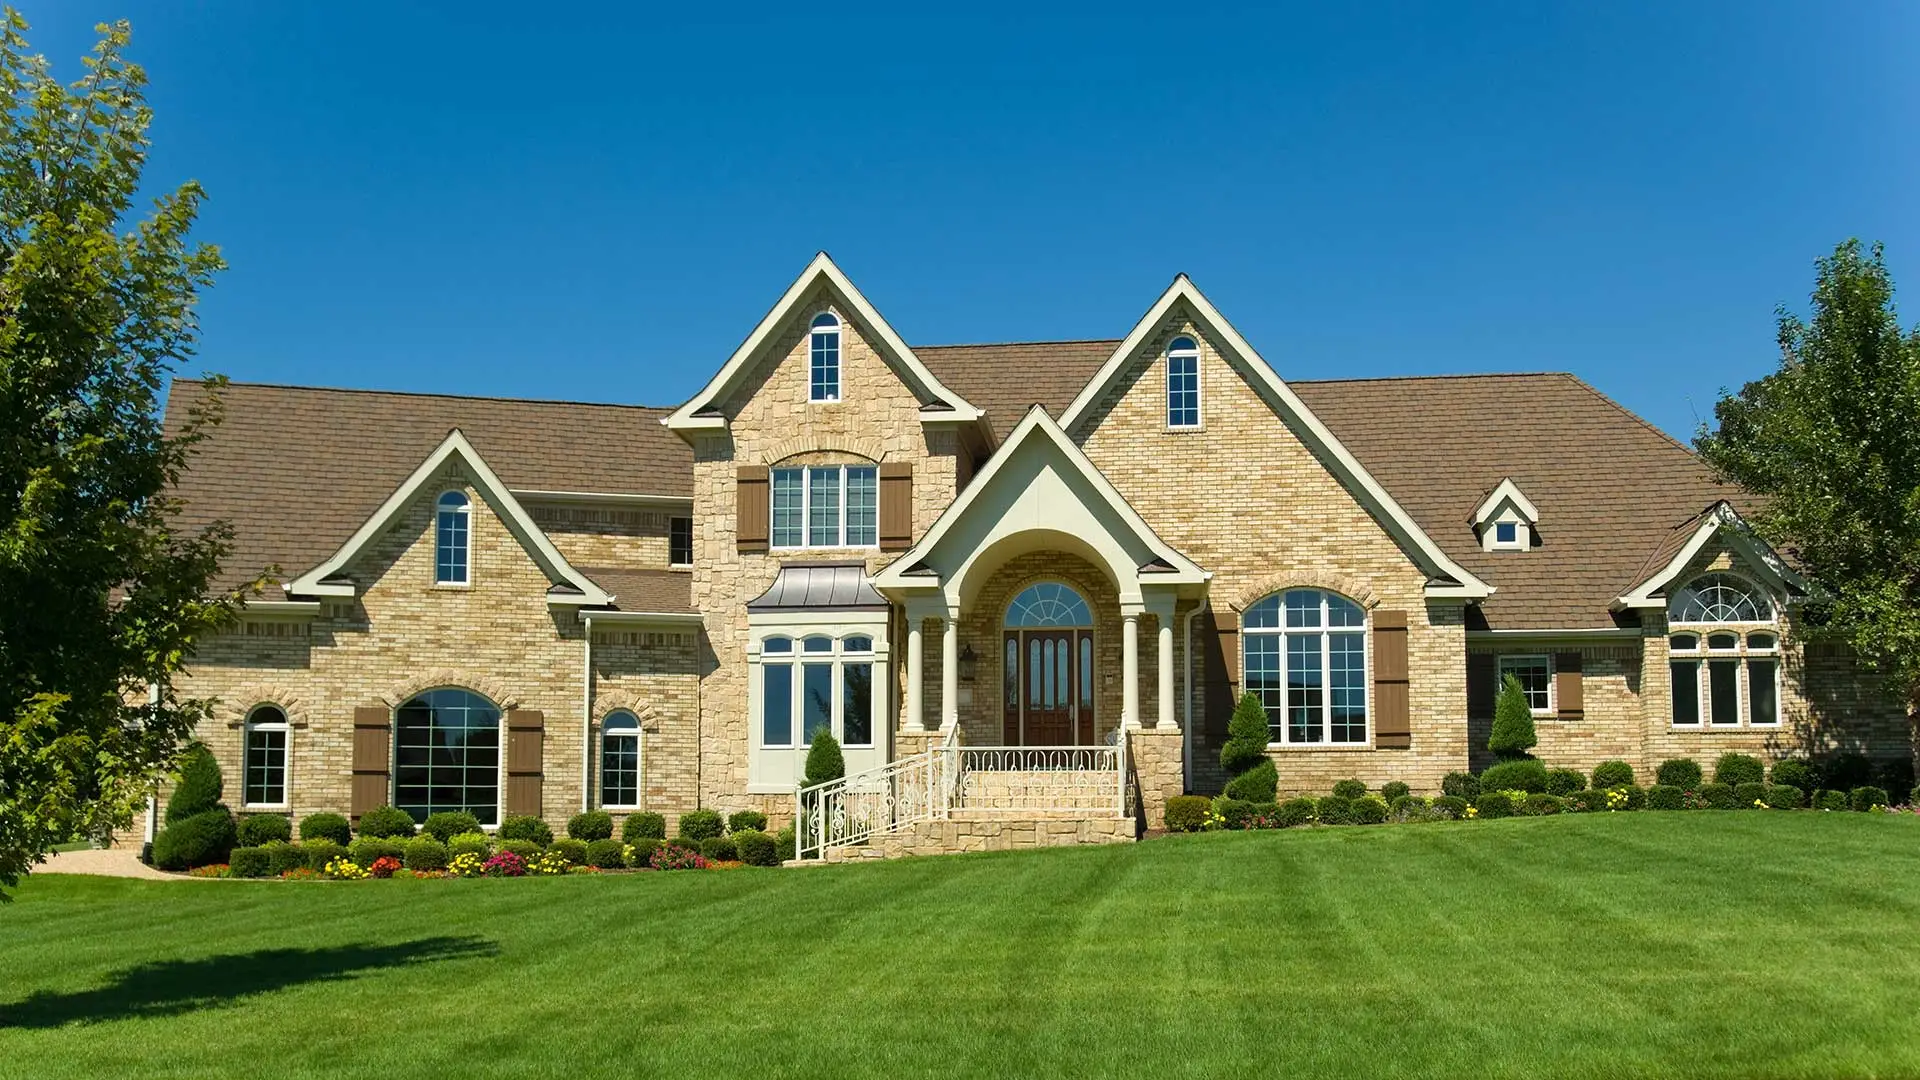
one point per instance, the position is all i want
(153, 797)
(586, 713)
(1186, 702)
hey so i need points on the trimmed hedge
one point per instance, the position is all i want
(1636, 797)
(643, 825)
(470, 843)
(1493, 804)
(383, 822)
(1522, 774)
(1587, 801)
(1736, 769)
(368, 848)
(574, 851)
(1784, 797)
(1460, 785)
(1832, 800)
(1844, 772)
(447, 824)
(701, 825)
(756, 848)
(1542, 804)
(1393, 791)
(426, 853)
(784, 840)
(1666, 797)
(1333, 810)
(1795, 773)
(606, 853)
(1369, 810)
(1866, 797)
(201, 839)
(526, 827)
(322, 851)
(1682, 773)
(1294, 813)
(332, 827)
(1234, 812)
(640, 851)
(259, 830)
(249, 862)
(284, 857)
(1719, 796)
(746, 821)
(199, 788)
(1565, 782)
(1257, 785)
(1452, 807)
(590, 825)
(719, 849)
(1349, 789)
(1612, 774)
(1187, 813)
(526, 849)
(1750, 793)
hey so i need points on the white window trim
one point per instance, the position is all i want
(500, 744)
(839, 358)
(798, 626)
(285, 726)
(639, 736)
(1199, 396)
(1743, 654)
(1326, 632)
(1545, 659)
(466, 507)
(806, 509)
(671, 564)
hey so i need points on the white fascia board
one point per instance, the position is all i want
(518, 522)
(279, 609)
(1722, 519)
(603, 498)
(1281, 397)
(684, 418)
(1602, 633)
(1506, 491)
(652, 618)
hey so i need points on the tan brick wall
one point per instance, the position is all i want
(608, 536)
(653, 674)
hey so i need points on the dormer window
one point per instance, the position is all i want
(1183, 384)
(824, 366)
(1506, 533)
(1505, 519)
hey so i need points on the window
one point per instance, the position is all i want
(1536, 678)
(1719, 598)
(1506, 532)
(1183, 384)
(830, 688)
(447, 755)
(1304, 654)
(450, 540)
(680, 542)
(265, 784)
(1723, 677)
(825, 506)
(1048, 603)
(824, 365)
(620, 760)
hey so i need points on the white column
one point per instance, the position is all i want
(950, 671)
(1164, 672)
(916, 676)
(1130, 670)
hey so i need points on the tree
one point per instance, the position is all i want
(102, 594)
(1831, 445)
(824, 760)
(1247, 736)
(1513, 732)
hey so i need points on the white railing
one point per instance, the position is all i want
(1015, 779)
(853, 808)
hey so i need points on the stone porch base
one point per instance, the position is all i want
(966, 831)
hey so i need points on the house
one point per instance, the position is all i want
(1052, 566)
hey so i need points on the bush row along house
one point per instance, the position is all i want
(513, 606)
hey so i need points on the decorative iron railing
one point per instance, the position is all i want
(1043, 779)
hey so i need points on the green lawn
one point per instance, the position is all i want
(1699, 944)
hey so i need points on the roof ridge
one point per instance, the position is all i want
(1004, 344)
(440, 394)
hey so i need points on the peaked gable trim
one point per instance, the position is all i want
(907, 572)
(1719, 519)
(1506, 491)
(700, 412)
(583, 591)
(1455, 580)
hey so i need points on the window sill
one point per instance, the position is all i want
(1182, 429)
(453, 586)
(266, 808)
(1294, 748)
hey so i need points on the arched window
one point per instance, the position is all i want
(1183, 383)
(450, 540)
(447, 755)
(1722, 678)
(620, 760)
(1304, 653)
(824, 352)
(265, 784)
(1048, 603)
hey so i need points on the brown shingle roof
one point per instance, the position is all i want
(1008, 379)
(645, 590)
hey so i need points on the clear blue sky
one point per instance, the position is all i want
(546, 200)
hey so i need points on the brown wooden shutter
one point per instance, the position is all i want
(1392, 728)
(525, 728)
(1222, 670)
(752, 505)
(372, 744)
(896, 505)
(1483, 685)
(1569, 695)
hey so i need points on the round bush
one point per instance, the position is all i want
(1612, 774)
(1866, 797)
(1187, 813)
(1541, 804)
(643, 825)
(1682, 773)
(1794, 772)
(1893, 774)
(1844, 772)
(1736, 769)
(1234, 813)
(1394, 790)
(756, 848)
(249, 862)
(525, 849)
(1784, 797)
(369, 849)
(784, 840)
(574, 851)
(590, 826)
(526, 827)
(322, 851)
(700, 825)
(1349, 789)
(1257, 784)
(257, 830)
(1460, 785)
(198, 840)
(1636, 797)
(385, 821)
(1410, 808)
(606, 853)
(1524, 774)
(1831, 800)
(199, 787)
(447, 824)
(1403, 800)
(1750, 794)
(284, 857)
(426, 853)
(1719, 796)
(332, 827)
(1493, 804)
(1565, 782)
(1666, 797)
(1265, 815)
(1587, 801)
(746, 821)
(1451, 807)
(640, 851)
(719, 849)
(1333, 810)
(1369, 810)
(470, 843)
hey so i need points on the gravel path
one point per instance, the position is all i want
(105, 862)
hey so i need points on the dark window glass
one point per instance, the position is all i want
(447, 755)
(450, 540)
(816, 700)
(1686, 692)
(1762, 704)
(856, 716)
(776, 704)
(1304, 687)
(266, 778)
(1723, 691)
(1506, 532)
(620, 761)
(680, 542)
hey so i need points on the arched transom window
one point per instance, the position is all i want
(446, 755)
(265, 783)
(823, 369)
(1719, 598)
(1724, 674)
(1183, 383)
(1304, 653)
(1048, 603)
(620, 760)
(450, 539)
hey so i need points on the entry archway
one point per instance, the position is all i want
(1047, 667)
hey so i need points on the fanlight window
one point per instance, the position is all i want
(1049, 603)
(1718, 598)
(447, 755)
(1304, 654)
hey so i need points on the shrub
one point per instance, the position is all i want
(1866, 797)
(1521, 774)
(1393, 791)
(824, 762)
(1893, 774)
(425, 853)
(1588, 801)
(198, 840)
(719, 849)
(1795, 773)
(784, 840)
(1719, 796)
(1683, 773)
(248, 862)
(1333, 810)
(321, 852)
(643, 825)
(640, 851)
(1750, 793)
(1784, 796)
(466, 864)
(1369, 810)
(1844, 772)
(370, 849)
(1736, 769)
(574, 851)
(1451, 807)
(1349, 789)
(1294, 813)
(1541, 804)
(257, 830)
(1234, 813)
(1565, 782)
(199, 788)
(1512, 734)
(385, 821)
(1831, 800)
(1409, 808)
(384, 866)
(1636, 798)
(1187, 813)
(700, 825)
(1494, 804)
(1612, 774)
(470, 843)
(447, 824)
(746, 821)
(756, 848)
(525, 849)
(1247, 736)
(1265, 815)
(526, 827)
(551, 862)
(332, 827)
(1257, 784)
(1460, 785)
(1403, 800)
(506, 862)
(1913, 797)
(1665, 797)
(590, 826)
(284, 857)
(677, 856)
(606, 853)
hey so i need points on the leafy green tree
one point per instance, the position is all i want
(824, 760)
(1513, 733)
(1247, 735)
(1831, 444)
(199, 787)
(102, 595)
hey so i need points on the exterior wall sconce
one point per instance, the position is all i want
(969, 664)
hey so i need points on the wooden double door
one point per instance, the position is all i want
(1048, 687)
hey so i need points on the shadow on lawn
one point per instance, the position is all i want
(171, 987)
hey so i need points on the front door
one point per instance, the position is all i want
(1049, 680)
